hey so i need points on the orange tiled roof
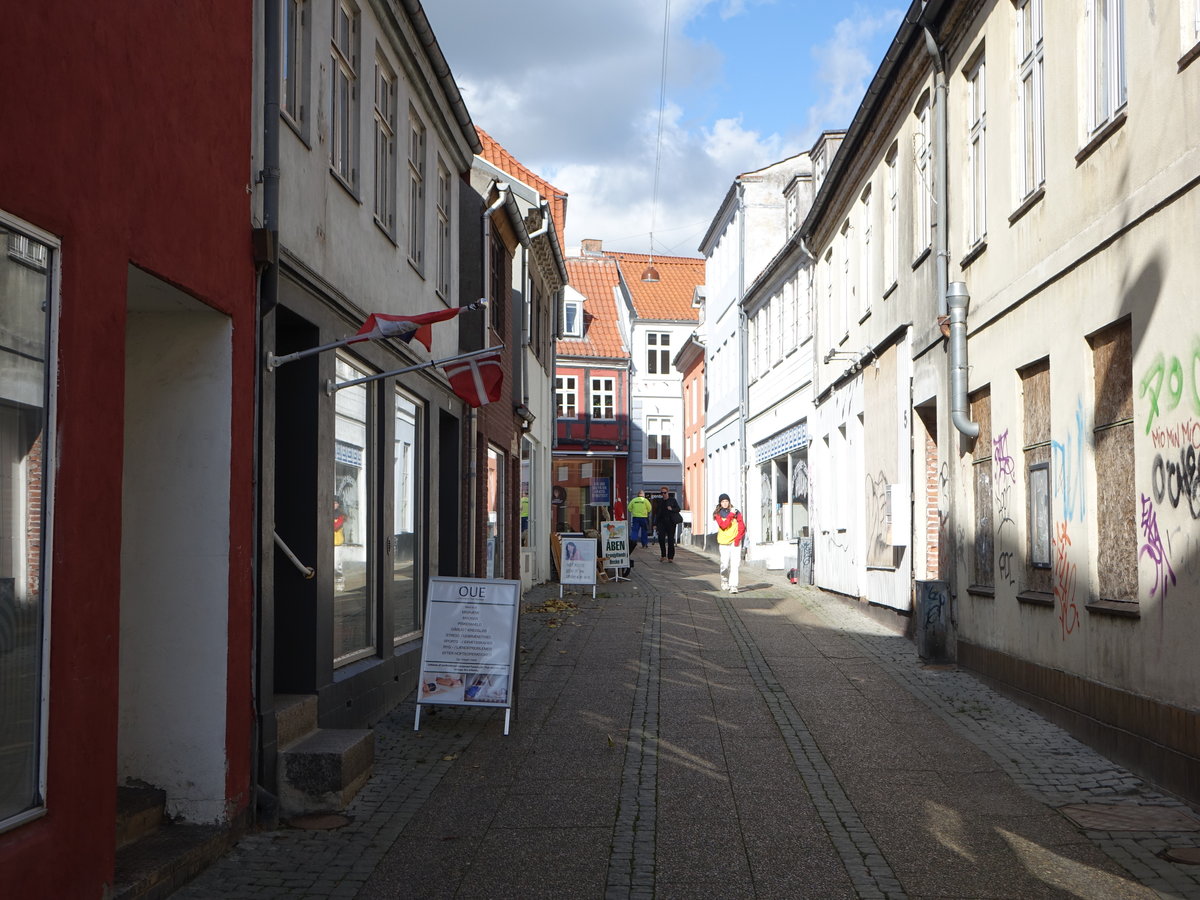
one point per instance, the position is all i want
(671, 296)
(506, 162)
(595, 278)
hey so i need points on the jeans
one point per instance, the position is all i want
(639, 532)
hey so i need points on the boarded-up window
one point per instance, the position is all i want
(983, 574)
(1116, 500)
(1035, 396)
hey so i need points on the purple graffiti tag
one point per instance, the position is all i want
(1006, 466)
(1065, 573)
(1154, 549)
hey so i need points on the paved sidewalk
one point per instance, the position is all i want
(675, 741)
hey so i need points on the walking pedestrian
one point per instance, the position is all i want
(639, 516)
(731, 528)
(666, 517)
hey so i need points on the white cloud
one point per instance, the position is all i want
(845, 69)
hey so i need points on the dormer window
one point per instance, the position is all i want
(572, 319)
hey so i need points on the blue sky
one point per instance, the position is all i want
(572, 89)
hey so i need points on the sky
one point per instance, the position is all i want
(573, 89)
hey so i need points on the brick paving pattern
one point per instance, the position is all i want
(673, 741)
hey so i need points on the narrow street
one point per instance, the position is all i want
(672, 741)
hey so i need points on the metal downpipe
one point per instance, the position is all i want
(958, 300)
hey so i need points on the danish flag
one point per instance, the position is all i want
(478, 380)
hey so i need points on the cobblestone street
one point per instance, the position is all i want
(671, 740)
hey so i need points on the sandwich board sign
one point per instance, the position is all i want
(469, 654)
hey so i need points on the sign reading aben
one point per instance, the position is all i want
(469, 654)
(614, 537)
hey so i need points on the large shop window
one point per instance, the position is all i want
(582, 494)
(353, 609)
(26, 265)
(406, 498)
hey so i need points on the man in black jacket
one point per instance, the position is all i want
(666, 518)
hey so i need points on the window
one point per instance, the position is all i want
(976, 153)
(353, 556)
(658, 353)
(891, 234)
(1108, 61)
(1031, 94)
(923, 186)
(564, 389)
(572, 318)
(416, 190)
(788, 298)
(829, 327)
(1035, 400)
(406, 578)
(343, 99)
(498, 301)
(983, 570)
(497, 468)
(755, 363)
(385, 146)
(602, 395)
(658, 437)
(777, 343)
(763, 317)
(803, 318)
(866, 287)
(444, 195)
(293, 71)
(845, 287)
(26, 472)
(1112, 436)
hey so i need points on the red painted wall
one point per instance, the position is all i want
(127, 135)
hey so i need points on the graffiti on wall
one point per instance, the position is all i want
(1155, 550)
(1171, 381)
(1006, 467)
(1006, 536)
(879, 543)
(1069, 468)
(1177, 480)
(1065, 575)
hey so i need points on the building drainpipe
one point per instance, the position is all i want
(743, 349)
(958, 299)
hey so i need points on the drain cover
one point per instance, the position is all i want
(1130, 817)
(1189, 855)
(319, 822)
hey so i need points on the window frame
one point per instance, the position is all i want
(294, 36)
(922, 188)
(598, 391)
(975, 75)
(418, 152)
(1031, 100)
(566, 386)
(1108, 79)
(658, 438)
(343, 123)
(52, 298)
(568, 307)
(445, 246)
(891, 249)
(663, 350)
(385, 121)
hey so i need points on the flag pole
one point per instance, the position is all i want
(332, 387)
(274, 361)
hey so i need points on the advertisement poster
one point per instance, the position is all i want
(616, 544)
(578, 561)
(469, 654)
(600, 495)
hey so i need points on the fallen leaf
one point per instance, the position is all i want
(451, 758)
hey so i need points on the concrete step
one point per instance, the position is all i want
(162, 862)
(323, 771)
(139, 812)
(295, 717)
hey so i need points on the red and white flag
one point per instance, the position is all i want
(478, 380)
(405, 328)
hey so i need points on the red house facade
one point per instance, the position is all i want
(127, 386)
(591, 383)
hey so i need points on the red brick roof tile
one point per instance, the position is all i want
(669, 298)
(506, 162)
(595, 278)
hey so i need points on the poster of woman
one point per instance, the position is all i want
(578, 560)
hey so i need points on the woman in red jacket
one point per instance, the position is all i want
(730, 531)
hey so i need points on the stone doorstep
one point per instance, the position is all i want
(295, 718)
(324, 770)
(160, 863)
(139, 813)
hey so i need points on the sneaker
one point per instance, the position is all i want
(733, 590)
(724, 585)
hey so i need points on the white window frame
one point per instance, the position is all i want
(1031, 96)
(385, 145)
(976, 83)
(658, 352)
(572, 324)
(777, 341)
(445, 204)
(49, 262)
(416, 189)
(1107, 84)
(752, 346)
(788, 299)
(845, 289)
(293, 61)
(866, 287)
(658, 438)
(566, 389)
(603, 397)
(803, 311)
(343, 113)
(922, 187)
(891, 234)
